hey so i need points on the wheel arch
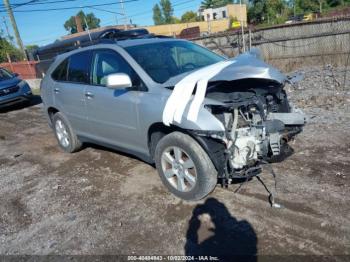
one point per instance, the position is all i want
(213, 147)
(51, 111)
(155, 133)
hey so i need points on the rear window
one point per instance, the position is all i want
(79, 68)
(60, 73)
(75, 69)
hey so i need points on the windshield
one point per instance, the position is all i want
(4, 75)
(164, 60)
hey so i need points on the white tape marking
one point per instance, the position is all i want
(182, 93)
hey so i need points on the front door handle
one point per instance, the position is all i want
(56, 90)
(89, 95)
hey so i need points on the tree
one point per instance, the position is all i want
(266, 11)
(215, 3)
(31, 48)
(221, 3)
(167, 11)
(277, 11)
(257, 11)
(189, 16)
(163, 13)
(91, 20)
(208, 4)
(307, 5)
(158, 18)
(7, 48)
(333, 3)
(175, 20)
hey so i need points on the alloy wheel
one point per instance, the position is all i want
(62, 134)
(179, 169)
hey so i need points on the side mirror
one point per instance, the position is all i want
(118, 81)
(15, 74)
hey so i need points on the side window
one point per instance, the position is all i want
(106, 62)
(79, 68)
(60, 73)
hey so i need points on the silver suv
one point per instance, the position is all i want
(120, 95)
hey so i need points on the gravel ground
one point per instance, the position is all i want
(98, 201)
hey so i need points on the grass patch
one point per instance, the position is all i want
(36, 91)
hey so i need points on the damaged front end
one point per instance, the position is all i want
(258, 122)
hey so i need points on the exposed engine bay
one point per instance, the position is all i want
(259, 121)
(245, 121)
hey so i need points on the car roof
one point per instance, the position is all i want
(121, 43)
(143, 41)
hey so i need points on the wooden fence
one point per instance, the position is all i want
(25, 69)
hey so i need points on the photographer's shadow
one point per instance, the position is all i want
(214, 232)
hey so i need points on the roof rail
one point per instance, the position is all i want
(109, 36)
(116, 38)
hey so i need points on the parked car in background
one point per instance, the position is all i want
(295, 19)
(303, 18)
(13, 89)
(190, 33)
(311, 16)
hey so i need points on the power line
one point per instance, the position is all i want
(21, 4)
(177, 3)
(14, 25)
(108, 11)
(140, 14)
(44, 39)
(38, 2)
(181, 3)
(124, 14)
(42, 2)
(67, 8)
(147, 12)
(104, 10)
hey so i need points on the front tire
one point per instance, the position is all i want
(184, 167)
(65, 135)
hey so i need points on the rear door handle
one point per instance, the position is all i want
(56, 90)
(89, 95)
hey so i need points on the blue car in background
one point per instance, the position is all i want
(13, 90)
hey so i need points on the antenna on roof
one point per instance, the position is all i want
(87, 27)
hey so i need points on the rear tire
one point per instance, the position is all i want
(64, 133)
(184, 167)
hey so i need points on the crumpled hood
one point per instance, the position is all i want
(9, 82)
(248, 65)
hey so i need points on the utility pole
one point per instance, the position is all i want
(124, 15)
(242, 27)
(116, 19)
(7, 29)
(15, 29)
(78, 24)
